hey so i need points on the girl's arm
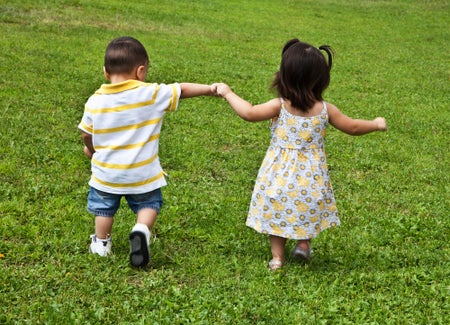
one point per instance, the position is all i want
(354, 126)
(246, 110)
(189, 90)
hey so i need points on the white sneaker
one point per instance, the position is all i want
(140, 245)
(101, 247)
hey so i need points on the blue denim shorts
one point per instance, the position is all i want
(106, 204)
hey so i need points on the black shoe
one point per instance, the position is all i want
(139, 250)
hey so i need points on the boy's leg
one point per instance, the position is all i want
(140, 237)
(147, 216)
(103, 226)
(101, 242)
(103, 206)
(146, 206)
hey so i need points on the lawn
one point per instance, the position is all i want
(389, 261)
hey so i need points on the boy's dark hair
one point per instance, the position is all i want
(123, 54)
(304, 73)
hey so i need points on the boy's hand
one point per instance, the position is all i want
(213, 89)
(87, 152)
(381, 123)
(222, 89)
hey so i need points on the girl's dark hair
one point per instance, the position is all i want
(304, 73)
(123, 54)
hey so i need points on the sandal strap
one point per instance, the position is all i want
(275, 264)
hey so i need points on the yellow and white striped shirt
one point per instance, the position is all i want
(125, 121)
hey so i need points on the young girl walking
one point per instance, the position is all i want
(293, 197)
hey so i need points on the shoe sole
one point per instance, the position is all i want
(139, 252)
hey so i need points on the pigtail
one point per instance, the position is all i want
(289, 44)
(329, 52)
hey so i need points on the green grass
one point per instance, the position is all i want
(388, 263)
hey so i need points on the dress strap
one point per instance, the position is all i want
(274, 119)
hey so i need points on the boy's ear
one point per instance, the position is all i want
(141, 72)
(107, 76)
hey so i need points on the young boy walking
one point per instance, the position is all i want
(120, 128)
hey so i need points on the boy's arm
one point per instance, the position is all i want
(189, 90)
(87, 139)
(354, 126)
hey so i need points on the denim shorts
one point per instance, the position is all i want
(106, 204)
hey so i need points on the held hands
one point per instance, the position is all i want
(220, 89)
(381, 124)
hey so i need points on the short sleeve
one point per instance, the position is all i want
(86, 124)
(175, 92)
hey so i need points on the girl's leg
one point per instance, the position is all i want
(277, 245)
(304, 244)
(302, 251)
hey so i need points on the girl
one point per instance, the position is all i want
(293, 197)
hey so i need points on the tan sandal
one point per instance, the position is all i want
(275, 264)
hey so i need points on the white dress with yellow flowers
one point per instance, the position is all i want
(293, 197)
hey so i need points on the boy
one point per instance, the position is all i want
(120, 129)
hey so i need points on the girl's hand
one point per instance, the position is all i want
(381, 123)
(222, 89)
(213, 89)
